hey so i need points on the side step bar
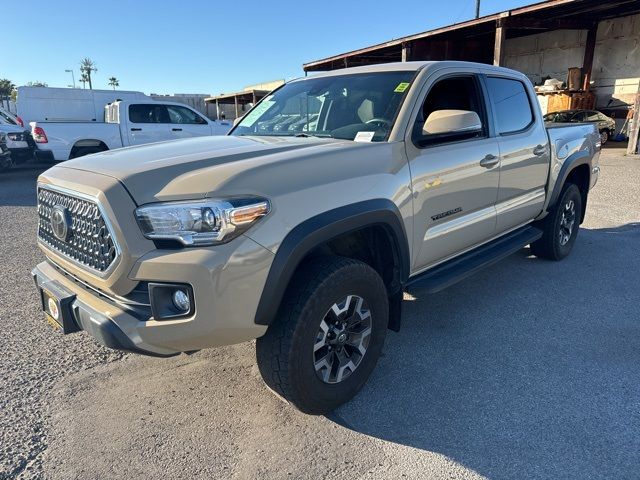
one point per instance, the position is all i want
(459, 268)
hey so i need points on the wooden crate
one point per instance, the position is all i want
(583, 101)
(557, 102)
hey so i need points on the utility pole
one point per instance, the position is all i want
(73, 77)
(477, 8)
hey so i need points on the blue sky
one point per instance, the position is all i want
(206, 46)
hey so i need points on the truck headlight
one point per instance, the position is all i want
(200, 223)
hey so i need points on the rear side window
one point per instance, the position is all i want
(511, 104)
(148, 113)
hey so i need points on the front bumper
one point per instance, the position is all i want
(97, 317)
(227, 283)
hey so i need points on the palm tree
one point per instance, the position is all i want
(113, 82)
(86, 67)
(84, 79)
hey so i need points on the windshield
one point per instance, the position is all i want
(345, 106)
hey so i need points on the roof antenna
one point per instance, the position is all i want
(477, 8)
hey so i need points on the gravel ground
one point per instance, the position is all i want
(528, 369)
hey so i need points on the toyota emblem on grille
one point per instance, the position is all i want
(60, 222)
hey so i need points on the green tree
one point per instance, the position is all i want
(37, 83)
(6, 87)
(87, 67)
(113, 82)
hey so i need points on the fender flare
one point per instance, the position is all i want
(323, 227)
(579, 158)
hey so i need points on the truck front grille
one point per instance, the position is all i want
(81, 232)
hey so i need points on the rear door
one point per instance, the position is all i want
(185, 123)
(454, 180)
(524, 152)
(147, 123)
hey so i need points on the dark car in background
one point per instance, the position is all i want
(5, 155)
(606, 125)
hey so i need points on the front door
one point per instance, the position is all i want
(185, 123)
(454, 178)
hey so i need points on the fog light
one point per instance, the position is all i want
(181, 300)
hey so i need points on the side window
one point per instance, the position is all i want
(184, 115)
(511, 104)
(453, 95)
(148, 113)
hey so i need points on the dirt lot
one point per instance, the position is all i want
(527, 370)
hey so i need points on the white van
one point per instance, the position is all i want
(45, 104)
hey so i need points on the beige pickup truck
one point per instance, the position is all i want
(304, 226)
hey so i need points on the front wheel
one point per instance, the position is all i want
(328, 336)
(604, 136)
(560, 226)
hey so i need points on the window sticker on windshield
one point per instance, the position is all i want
(364, 136)
(257, 112)
(402, 87)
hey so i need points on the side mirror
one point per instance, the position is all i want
(452, 122)
(236, 121)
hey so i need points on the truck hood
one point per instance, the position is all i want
(199, 167)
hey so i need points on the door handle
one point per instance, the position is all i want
(489, 161)
(136, 129)
(176, 129)
(539, 150)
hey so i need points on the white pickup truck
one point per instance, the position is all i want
(126, 123)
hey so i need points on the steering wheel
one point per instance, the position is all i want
(382, 121)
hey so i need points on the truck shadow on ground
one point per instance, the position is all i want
(527, 369)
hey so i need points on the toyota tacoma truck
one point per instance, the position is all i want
(304, 225)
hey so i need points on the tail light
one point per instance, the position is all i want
(20, 121)
(39, 136)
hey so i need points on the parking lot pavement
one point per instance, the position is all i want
(528, 369)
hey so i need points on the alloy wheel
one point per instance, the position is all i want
(567, 221)
(342, 339)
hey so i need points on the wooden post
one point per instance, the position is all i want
(589, 49)
(235, 100)
(498, 47)
(406, 52)
(217, 110)
(634, 129)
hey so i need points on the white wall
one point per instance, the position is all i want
(616, 64)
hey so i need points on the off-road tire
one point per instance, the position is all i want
(549, 246)
(604, 136)
(285, 354)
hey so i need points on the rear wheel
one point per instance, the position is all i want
(328, 336)
(560, 226)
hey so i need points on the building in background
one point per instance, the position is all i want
(601, 38)
(194, 100)
(233, 105)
